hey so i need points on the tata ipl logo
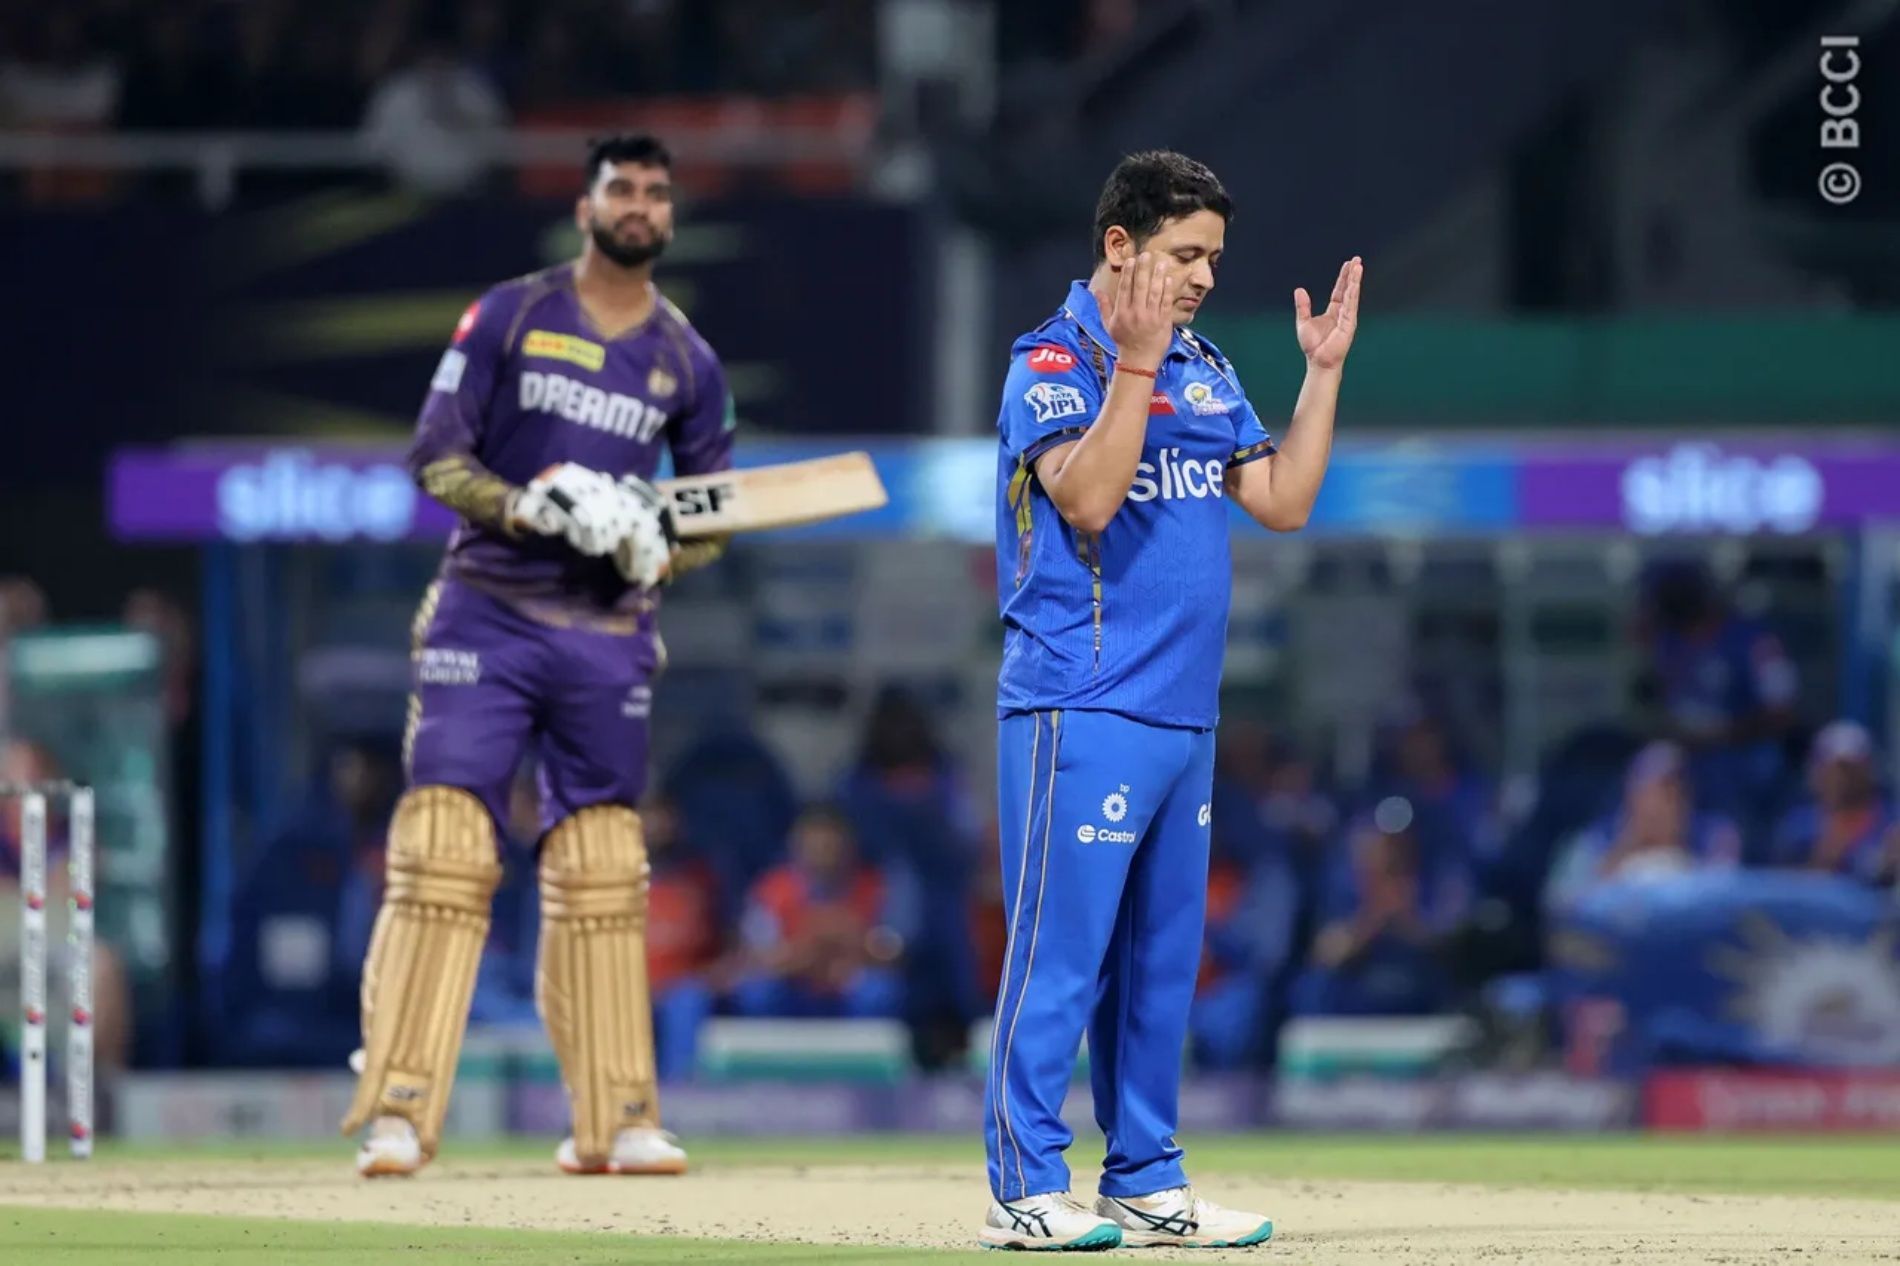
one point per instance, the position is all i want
(1699, 488)
(290, 495)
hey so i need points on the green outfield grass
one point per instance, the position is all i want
(175, 1239)
(1797, 1166)
(1866, 1166)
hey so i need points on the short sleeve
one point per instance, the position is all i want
(1050, 397)
(1251, 441)
(455, 410)
(701, 438)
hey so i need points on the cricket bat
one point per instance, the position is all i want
(759, 498)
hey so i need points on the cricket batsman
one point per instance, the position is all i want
(1124, 436)
(542, 426)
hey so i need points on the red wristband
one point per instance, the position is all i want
(1130, 369)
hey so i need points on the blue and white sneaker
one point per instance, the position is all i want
(1053, 1222)
(1178, 1218)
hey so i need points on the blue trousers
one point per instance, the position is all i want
(1104, 841)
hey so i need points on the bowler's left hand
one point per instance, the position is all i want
(1327, 338)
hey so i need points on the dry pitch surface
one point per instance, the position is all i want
(1619, 1200)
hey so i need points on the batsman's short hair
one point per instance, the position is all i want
(1148, 189)
(625, 147)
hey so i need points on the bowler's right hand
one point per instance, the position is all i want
(1141, 313)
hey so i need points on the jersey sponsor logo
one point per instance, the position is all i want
(439, 666)
(1115, 805)
(467, 323)
(638, 705)
(1171, 477)
(1158, 403)
(1102, 835)
(661, 384)
(567, 347)
(1206, 814)
(448, 371)
(590, 406)
(1052, 400)
(1050, 359)
(1201, 398)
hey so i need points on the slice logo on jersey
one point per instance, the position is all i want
(1050, 359)
(1052, 400)
(567, 347)
(661, 384)
(1206, 814)
(1115, 805)
(448, 371)
(1169, 476)
(1159, 404)
(1200, 398)
(590, 406)
(467, 323)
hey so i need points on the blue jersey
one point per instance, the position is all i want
(1131, 620)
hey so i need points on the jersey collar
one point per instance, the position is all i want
(1085, 312)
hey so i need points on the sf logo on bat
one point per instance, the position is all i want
(703, 499)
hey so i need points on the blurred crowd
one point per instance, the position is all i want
(425, 84)
(1412, 891)
(211, 64)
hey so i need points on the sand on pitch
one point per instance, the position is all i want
(939, 1206)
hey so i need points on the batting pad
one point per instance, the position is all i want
(591, 982)
(420, 974)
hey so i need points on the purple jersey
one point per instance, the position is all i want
(529, 382)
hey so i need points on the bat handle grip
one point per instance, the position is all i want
(561, 500)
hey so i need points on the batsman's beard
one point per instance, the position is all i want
(625, 253)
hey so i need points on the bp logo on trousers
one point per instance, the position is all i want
(1114, 808)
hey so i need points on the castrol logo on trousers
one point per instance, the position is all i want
(1171, 477)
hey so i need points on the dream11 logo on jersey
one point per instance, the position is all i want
(1699, 488)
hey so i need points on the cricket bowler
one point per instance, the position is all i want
(542, 427)
(1123, 437)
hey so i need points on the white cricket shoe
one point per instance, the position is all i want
(1179, 1218)
(1053, 1222)
(390, 1150)
(642, 1150)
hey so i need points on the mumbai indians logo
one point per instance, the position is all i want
(1200, 398)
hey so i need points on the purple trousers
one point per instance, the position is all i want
(492, 684)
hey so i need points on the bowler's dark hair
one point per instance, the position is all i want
(1150, 188)
(625, 147)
